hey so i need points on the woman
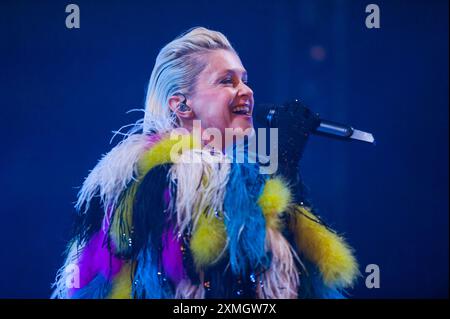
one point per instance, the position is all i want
(194, 225)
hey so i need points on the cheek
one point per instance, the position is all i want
(214, 110)
(218, 117)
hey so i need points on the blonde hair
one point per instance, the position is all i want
(176, 69)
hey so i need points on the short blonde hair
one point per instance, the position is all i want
(176, 69)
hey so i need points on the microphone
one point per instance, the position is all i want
(295, 123)
(303, 120)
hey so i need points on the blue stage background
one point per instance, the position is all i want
(63, 91)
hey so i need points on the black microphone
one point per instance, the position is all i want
(295, 123)
(295, 113)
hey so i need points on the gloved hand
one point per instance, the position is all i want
(295, 123)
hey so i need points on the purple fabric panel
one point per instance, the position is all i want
(172, 257)
(96, 258)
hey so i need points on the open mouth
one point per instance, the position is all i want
(241, 110)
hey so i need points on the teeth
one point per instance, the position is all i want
(245, 109)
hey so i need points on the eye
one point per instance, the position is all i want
(227, 80)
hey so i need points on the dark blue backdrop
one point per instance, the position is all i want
(63, 91)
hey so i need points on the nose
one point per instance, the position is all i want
(245, 90)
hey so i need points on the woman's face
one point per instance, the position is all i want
(220, 88)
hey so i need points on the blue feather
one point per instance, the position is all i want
(312, 285)
(244, 220)
(149, 282)
(98, 288)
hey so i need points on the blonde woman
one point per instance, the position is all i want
(150, 226)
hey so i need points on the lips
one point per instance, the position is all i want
(243, 109)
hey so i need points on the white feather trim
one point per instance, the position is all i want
(186, 290)
(61, 289)
(113, 172)
(201, 179)
(281, 280)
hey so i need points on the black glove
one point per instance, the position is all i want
(295, 123)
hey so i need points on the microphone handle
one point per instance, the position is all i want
(333, 129)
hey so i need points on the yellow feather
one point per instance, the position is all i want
(327, 250)
(208, 240)
(121, 285)
(158, 154)
(164, 151)
(274, 199)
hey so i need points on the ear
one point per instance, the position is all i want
(174, 103)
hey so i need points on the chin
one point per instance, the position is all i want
(243, 122)
(243, 129)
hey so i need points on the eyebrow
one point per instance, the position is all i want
(232, 71)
